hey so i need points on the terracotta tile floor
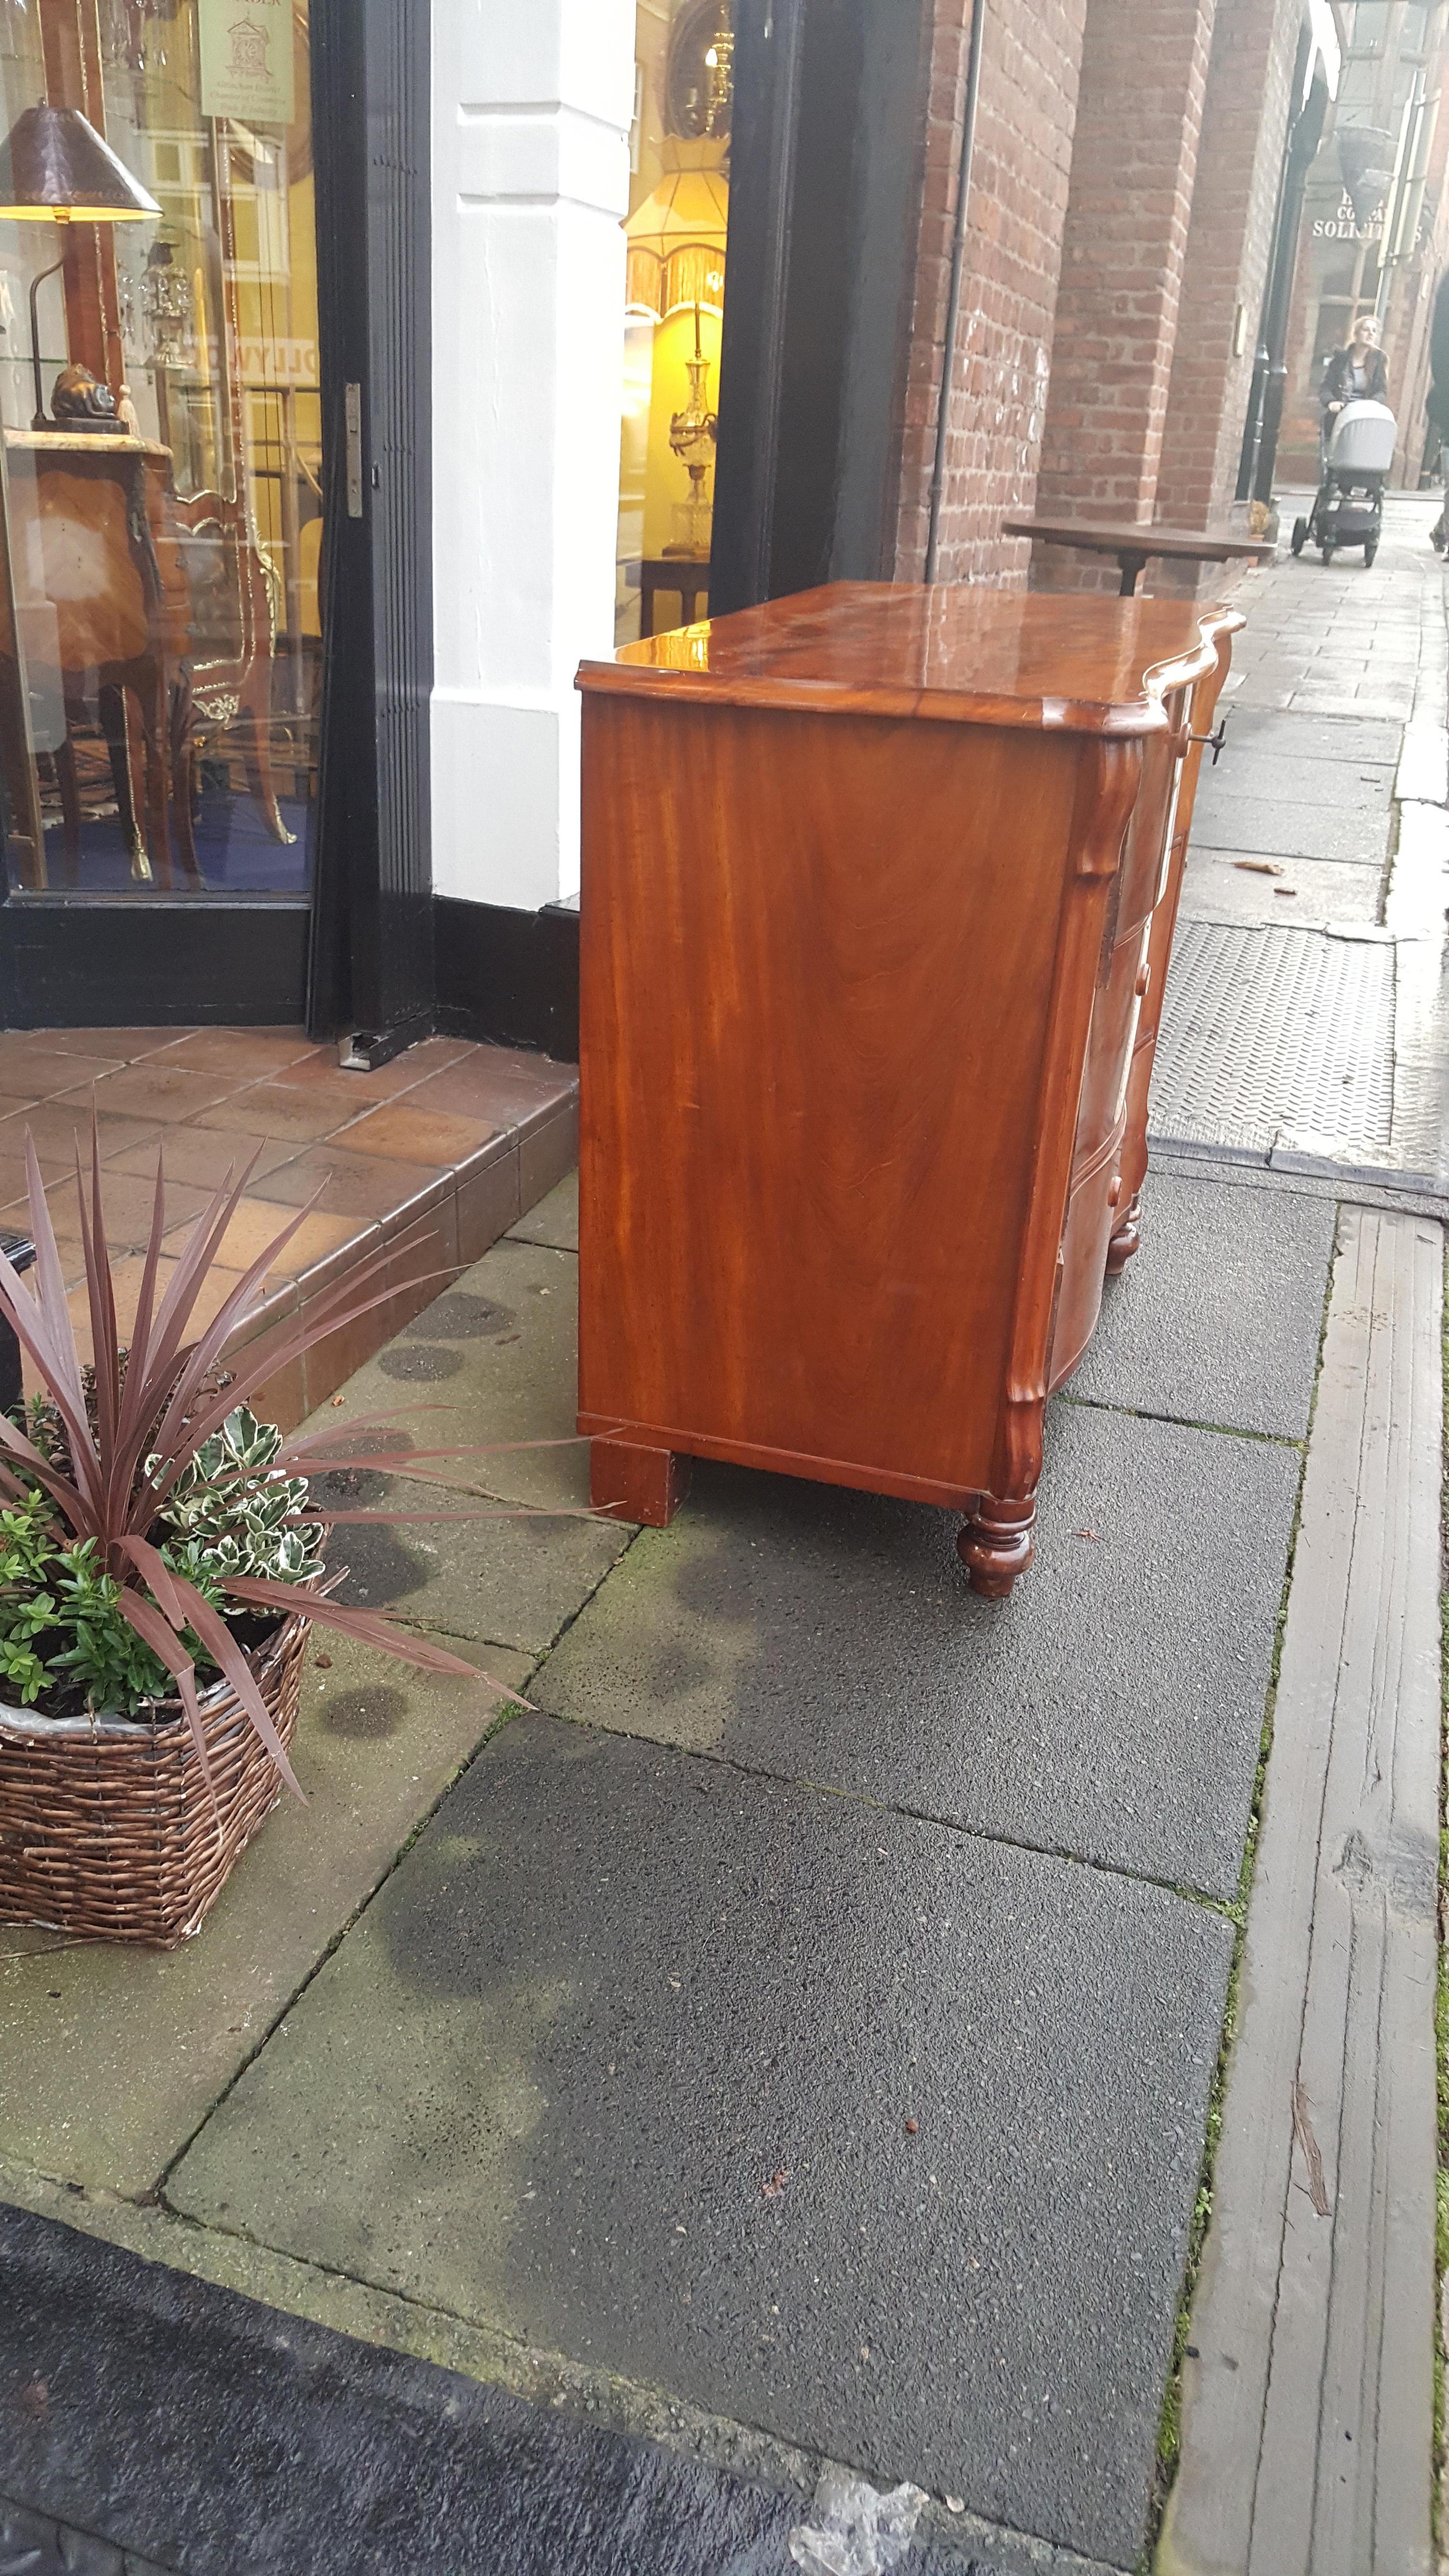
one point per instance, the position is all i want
(430, 1159)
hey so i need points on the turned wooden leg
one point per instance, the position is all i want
(636, 1484)
(1127, 1237)
(997, 1545)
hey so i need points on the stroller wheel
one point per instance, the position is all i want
(1328, 554)
(1436, 536)
(1370, 549)
(1299, 538)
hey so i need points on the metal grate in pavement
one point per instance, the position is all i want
(1271, 1034)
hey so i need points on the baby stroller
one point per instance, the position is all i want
(1348, 507)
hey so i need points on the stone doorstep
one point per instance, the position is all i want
(427, 1239)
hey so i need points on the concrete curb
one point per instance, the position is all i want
(1308, 2385)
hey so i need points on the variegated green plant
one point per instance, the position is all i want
(240, 1512)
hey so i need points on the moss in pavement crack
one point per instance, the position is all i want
(1169, 2425)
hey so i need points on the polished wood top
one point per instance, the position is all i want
(1139, 536)
(83, 442)
(963, 655)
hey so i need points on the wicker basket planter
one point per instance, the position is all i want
(108, 1830)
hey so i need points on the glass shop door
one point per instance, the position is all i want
(675, 232)
(160, 508)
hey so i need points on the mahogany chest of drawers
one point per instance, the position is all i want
(878, 895)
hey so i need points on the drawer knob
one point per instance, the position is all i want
(1115, 1192)
(1144, 978)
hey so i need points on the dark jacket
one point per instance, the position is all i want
(1337, 385)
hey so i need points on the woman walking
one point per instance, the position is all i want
(1354, 374)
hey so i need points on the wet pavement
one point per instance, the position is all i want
(795, 2038)
(1305, 1023)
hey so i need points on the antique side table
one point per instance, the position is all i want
(1138, 542)
(878, 896)
(102, 594)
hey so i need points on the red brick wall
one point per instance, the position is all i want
(1229, 243)
(1029, 64)
(1139, 114)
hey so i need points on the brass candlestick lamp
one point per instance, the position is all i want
(693, 433)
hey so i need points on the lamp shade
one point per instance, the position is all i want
(677, 243)
(53, 164)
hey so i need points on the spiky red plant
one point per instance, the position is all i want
(156, 1400)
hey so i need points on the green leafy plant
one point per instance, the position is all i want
(245, 1513)
(145, 1510)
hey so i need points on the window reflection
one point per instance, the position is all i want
(160, 629)
(674, 309)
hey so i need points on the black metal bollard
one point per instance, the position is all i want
(20, 1253)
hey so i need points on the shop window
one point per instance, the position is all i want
(160, 469)
(673, 310)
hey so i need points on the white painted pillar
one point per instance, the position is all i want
(532, 104)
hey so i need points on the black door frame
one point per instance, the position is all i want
(358, 953)
(371, 973)
(826, 177)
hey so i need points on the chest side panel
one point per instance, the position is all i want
(817, 962)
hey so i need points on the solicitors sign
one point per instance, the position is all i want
(1343, 226)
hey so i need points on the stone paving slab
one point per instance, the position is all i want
(623, 2057)
(1296, 830)
(1218, 1317)
(1112, 1709)
(555, 1220)
(510, 1581)
(491, 1362)
(1389, 701)
(113, 2055)
(1315, 891)
(1278, 731)
(1282, 777)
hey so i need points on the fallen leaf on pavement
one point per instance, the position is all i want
(772, 2189)
(1258, 867)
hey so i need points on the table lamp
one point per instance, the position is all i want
(55, 168)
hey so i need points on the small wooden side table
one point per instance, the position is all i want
(94, 539)
(1136, 543)
(684, 573)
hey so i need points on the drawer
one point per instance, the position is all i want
(1109, 1048)
(1091, 1216)
(1152, 819)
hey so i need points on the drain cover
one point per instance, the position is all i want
(1272, 1034)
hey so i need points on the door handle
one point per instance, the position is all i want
(352, 417)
